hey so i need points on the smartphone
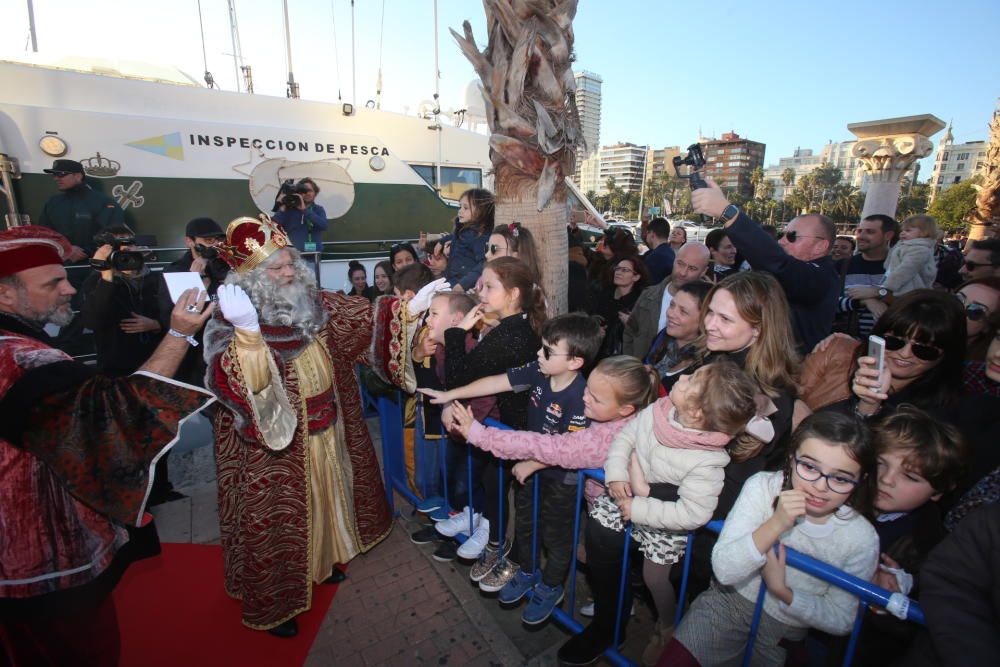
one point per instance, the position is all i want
(876, 349)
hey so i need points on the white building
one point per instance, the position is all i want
(954, 163)
(588, 104)
(804, 160)
(625, 162)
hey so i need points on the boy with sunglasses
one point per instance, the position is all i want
(569, 345)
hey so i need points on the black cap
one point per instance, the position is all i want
(203, 227)
(65, 167)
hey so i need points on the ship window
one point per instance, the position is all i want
(455, 180)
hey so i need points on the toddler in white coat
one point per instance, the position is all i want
(678, 440)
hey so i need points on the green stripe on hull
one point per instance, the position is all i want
(379, 211)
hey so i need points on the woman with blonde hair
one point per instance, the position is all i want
(746, 319)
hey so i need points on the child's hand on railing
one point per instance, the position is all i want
(522, 470)
(625, 507)
(773, 574)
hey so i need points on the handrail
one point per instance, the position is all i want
(865, 591)
(868, 594)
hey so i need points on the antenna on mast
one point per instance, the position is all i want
(237, 49)
(293, 88)
(209, 79)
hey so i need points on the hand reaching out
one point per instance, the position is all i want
(461, 419)
(437, 396)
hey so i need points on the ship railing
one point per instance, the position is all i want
(390, 414)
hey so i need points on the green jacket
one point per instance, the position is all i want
(79, 214)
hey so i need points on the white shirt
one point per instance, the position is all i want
(667, 298)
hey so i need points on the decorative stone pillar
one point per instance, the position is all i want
(887, 149)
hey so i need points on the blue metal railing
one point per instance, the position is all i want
(868, 594)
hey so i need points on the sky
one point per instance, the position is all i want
(788, 74)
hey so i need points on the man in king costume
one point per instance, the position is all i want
(77, 460)
(300, 489)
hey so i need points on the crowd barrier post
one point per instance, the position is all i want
(758, 610)
(852, 643)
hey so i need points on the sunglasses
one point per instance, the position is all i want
(972, 266)
(976, 312)
(495, 249)
(548, 353)
(792, 236)
(920, 350)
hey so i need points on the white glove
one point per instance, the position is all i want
(422, 300)
(237, 308)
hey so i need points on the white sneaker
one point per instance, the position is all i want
(473, 547)
(457, 524)
(588, 610)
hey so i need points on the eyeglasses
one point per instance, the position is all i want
(920, 350)
(972, 266)
(548, 353)
(836, 482)
(793, 235)
(623, 269)
(496, 249)
(60, 174)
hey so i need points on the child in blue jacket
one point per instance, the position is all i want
(472, 231)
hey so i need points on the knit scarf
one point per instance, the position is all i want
(670, 433)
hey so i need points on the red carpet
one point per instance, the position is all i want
(173, 610)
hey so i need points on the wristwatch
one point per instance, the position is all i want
(882, 292)
(729, 212)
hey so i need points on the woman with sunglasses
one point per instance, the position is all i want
(925, 343)
(981, 298)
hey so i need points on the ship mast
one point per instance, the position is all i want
(293, 88)
(237, 49)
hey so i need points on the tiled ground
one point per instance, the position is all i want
(398, 606)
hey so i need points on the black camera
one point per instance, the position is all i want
(206, 251)
(119, 260)
(290, 194)
(696, 160)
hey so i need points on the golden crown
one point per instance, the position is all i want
(249, 241)
(101, 167)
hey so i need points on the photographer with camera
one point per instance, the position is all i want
(121, 304)
(201, 236)
(297, 212)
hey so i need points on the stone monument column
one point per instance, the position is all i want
(887, 149)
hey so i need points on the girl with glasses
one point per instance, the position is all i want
(817, 505)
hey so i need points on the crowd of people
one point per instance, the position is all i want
(732, 379)
(726, 380)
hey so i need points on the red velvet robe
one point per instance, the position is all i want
(264, 504)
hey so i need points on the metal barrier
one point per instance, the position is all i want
(868, 594)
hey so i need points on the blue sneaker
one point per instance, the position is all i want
(428, 505)
(543, 600)
(518, 587)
